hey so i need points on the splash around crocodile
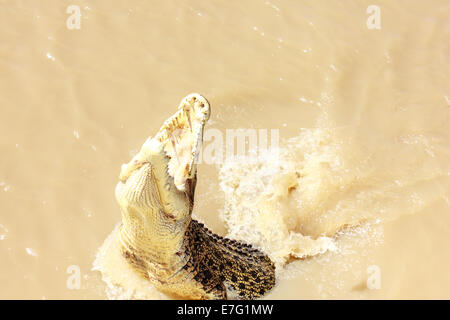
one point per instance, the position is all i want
(159, 240)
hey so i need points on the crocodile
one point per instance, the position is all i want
(158, 236)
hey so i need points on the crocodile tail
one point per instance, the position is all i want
(248, 271)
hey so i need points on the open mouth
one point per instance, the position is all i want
(182, 136)
(178, 142)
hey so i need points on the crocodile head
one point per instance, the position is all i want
(156, 188)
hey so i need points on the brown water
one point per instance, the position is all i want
(364, 173)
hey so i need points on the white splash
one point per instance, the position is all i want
(49, 56)
(3, 232)
(31, 252)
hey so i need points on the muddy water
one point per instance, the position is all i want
(356, 207)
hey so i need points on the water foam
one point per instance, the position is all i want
(324, 180)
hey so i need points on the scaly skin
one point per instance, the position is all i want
(158, 237)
